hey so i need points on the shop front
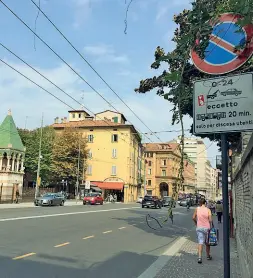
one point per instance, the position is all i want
(113, 188)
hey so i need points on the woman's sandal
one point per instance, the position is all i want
(199, 261)
(209, 258)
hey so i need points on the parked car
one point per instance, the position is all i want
(151, 201)
(93, 199)
(167, 200)
(50, 199)
(139, 200)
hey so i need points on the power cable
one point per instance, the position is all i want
(89, 64)
(72, 69)
(56, 96)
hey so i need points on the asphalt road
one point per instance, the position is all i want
(82, 241)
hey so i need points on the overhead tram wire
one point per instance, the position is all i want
(89, 64)
(17, 71)
(67, 64)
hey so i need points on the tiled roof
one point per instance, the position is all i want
(89, 123)
(161, 147)
(9, 137)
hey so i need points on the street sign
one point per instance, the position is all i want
(223, 104)
(87, 185)
(220, 55)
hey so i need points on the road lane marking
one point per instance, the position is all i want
(107, 232)
(62, 244)
(87, 237)
(121, 228)
(24, 256)
(64, 214)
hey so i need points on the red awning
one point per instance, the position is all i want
(109, 185)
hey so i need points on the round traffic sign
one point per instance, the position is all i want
(221, 55)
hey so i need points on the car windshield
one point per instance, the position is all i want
(148, 197)
(92, 195)
(48, 195)
(167, 198)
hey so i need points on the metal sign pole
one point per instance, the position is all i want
(226, 243)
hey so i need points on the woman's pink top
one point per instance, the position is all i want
(202, 218)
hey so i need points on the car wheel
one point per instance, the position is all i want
(62, 203)
(84, 203)
(36, 205)
(102, 203)
(50, 203)
(142, 206)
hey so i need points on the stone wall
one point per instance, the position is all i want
(243, 210)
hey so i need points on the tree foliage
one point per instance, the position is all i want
(176, 83)
(65, 155)
(31, 141)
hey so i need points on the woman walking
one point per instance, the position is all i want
(202, 218)
(219, 210)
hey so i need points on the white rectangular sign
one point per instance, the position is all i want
(87, 184)
(223, 104)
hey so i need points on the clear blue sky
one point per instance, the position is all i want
(96, 28)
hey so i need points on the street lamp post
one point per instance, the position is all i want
(39, 159)
(78, 169)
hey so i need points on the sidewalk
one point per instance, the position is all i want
(68, 203)
(184, 263)
(31, 204)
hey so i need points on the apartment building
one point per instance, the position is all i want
(162, 166)
(115, 152)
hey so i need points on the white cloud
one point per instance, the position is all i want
(26, 99)
(105, 53)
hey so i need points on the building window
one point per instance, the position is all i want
(149, 154)
(89, 170)
(114, 153)
(149, 171)
(164, 162)
(115, 138)
(164, 173)
(115, 119)
(149, 192)
(114, 170)
(90, 154)
(73, 116)
(149, 182)
(90, 138)
(150, 163)
(79, 115)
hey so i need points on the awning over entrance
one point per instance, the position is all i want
(109, 185)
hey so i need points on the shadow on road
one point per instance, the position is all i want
(182, 222)
(116, 266)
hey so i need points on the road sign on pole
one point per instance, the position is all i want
(87, 185)
(223, 104)
(222, 54)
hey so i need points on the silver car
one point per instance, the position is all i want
(50, 199)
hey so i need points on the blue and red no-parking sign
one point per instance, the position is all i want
(220, 54)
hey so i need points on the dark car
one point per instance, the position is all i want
(151, 201)
(167, 200)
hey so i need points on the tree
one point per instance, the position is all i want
(193, 31)
(31, 141)
(65, 155)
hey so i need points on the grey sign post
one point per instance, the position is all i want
(222, 105)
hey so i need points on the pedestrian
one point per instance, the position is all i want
(219, 210)
(202, 218)
(17, 196)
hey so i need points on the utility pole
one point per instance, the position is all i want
(26, 121)
(39, 158)
(78, 169)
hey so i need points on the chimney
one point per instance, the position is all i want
(64, 119)
(56, 120)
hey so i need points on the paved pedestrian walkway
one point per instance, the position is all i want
(184, 263)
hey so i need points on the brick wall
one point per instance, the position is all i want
(243, 210)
